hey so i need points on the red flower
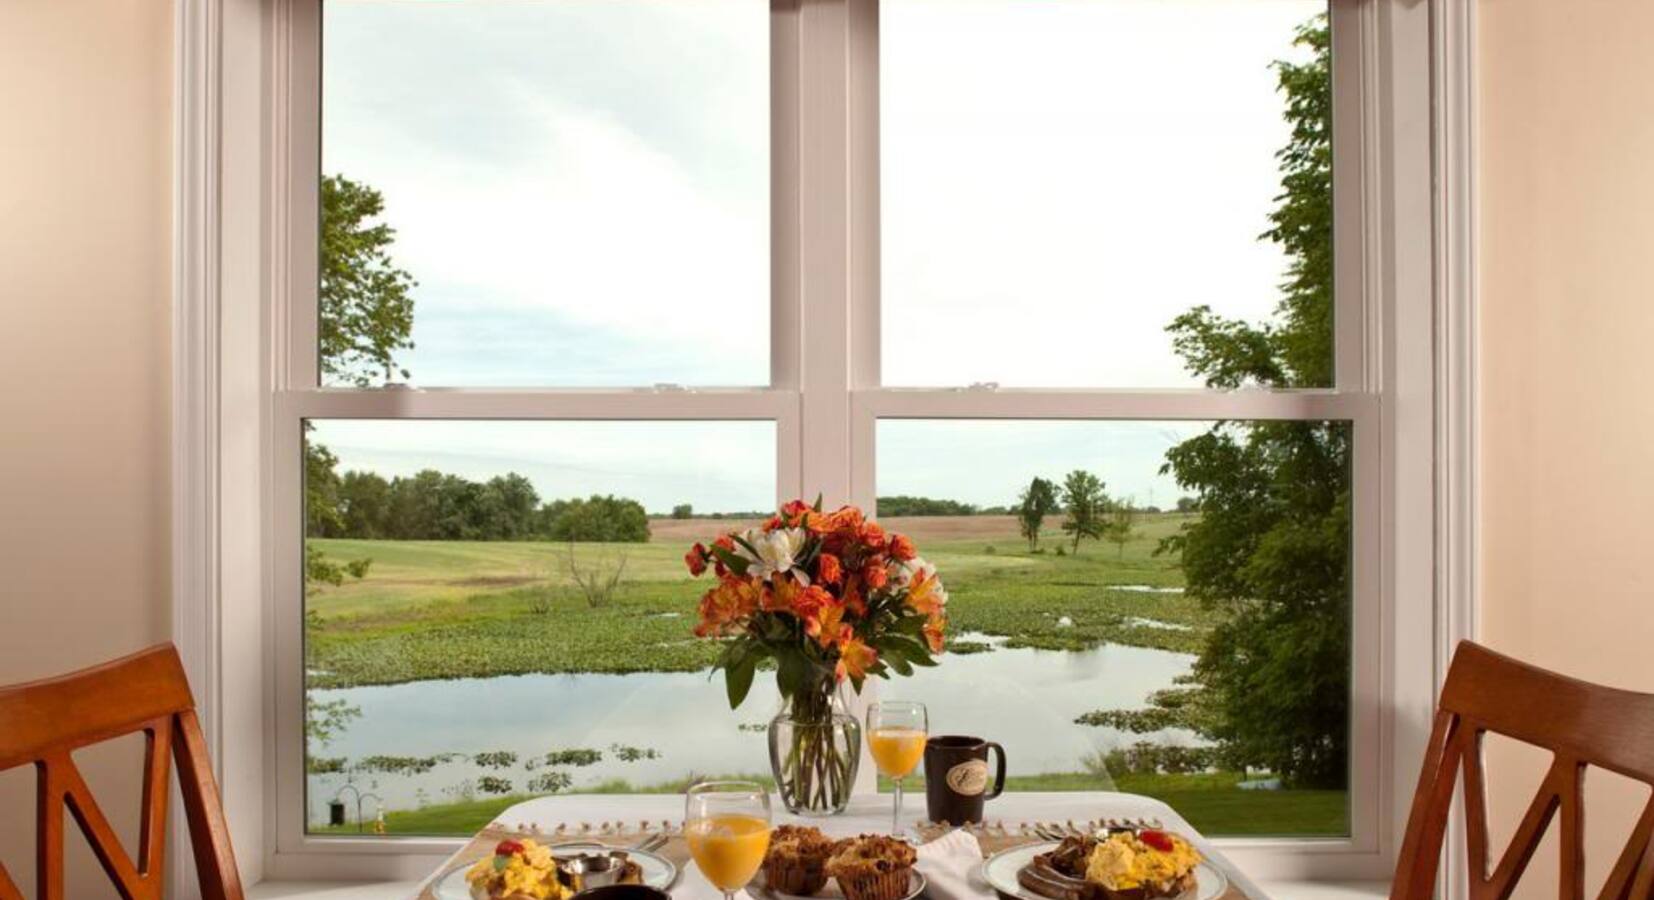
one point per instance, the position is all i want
(773, 523)
(794, 510)
(875, 576)
(828, 570)
(901, 547)
(726, 542)
(873, 536)
(696, 560)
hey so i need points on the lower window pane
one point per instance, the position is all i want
(500, 609)
(1176, 623)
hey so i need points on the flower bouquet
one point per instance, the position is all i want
(828, 598)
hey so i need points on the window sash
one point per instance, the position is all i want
(825, 394)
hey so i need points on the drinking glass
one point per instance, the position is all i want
(727, 826)
(896, 732)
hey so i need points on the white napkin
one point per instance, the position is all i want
(947, 864)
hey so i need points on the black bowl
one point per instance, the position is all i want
(624, 892)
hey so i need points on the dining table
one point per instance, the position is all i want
(621, 820)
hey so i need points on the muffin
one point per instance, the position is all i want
(797, 860)
(872, 867)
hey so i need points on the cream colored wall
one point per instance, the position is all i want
(85, 244)
(1566, 264)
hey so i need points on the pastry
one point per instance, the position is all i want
(797, 860)
(872, 867)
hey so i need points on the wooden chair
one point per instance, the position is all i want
(43, 722)
(1582, 724)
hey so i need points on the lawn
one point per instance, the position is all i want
(453, 609)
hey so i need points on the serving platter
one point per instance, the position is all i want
(1000, 871)
(658, 871)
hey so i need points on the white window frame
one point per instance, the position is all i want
(245, 330)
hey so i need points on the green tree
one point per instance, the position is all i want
(1084, 501)
(683, 511)
(366, 307)
(1271, 549)
(364, 505)
(600, 518)
(1036, 501)
(321, 491)
(1122, 519)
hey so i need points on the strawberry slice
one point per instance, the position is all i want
(1159, 840)
(508, 848)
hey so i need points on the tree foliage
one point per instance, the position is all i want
(1084, 502)
(365, 304)
(1037, 500)
(438, 506)
(1122, 519)
(903, 505)
(1271, 548)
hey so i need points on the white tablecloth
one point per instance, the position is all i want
(867, 813)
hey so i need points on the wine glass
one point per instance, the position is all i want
(896, 732)
(727, 826)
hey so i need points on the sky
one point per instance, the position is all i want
(581, 189)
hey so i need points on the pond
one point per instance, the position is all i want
(1026, 699)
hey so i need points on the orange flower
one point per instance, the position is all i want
(794, 510)
(901, 547)
(845, 518)
(733, 600)
(933, 633)
(924, 594)
(773, 523)
(853, 600)
(854, 659)
(812, 601)
(696, 560)
(873, 536)
(781, 596)
(875, 576)
(828, 570)
(827, 626)
(726, 542)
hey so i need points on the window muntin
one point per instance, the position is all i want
(1063, 645)
(563, 178)
(1099, 167)
(468, 662)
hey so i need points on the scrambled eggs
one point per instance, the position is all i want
(1125, 860)
(524, 868)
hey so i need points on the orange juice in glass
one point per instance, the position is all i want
(727, 827)
(896, 732)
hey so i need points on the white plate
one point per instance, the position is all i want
(658, 871)
(1000, 871)
(915, 887)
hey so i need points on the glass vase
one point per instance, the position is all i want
(815, 746)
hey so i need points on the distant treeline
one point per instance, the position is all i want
(903, 505)
(436, 506)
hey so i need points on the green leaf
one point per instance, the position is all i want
(738, 679)
(791, 669)
(734, 562)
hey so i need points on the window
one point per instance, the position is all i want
(565, 285)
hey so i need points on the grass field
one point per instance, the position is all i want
(1210, 802)
(451, 609)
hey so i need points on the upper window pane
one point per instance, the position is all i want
(1063, 179)
(576, 190)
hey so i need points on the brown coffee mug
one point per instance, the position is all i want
(956, 777)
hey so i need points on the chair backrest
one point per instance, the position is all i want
(1582, 724)
(43, 722)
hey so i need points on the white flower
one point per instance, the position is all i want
(776, 552)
